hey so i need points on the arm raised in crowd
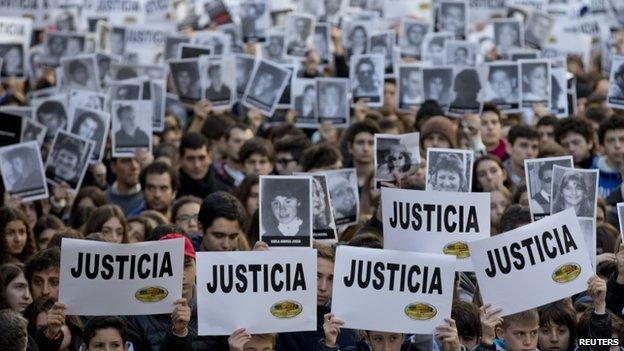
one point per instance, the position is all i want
(615, 286)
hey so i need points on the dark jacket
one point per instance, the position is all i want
(220, 179)
(190, 186)
(615, 295)
(307, 341)
(360, 346)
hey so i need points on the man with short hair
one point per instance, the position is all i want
(78, 73)
(256, 155)
(546, 129)
(129, 134)
(126, 190)
(611, 138)
(576, 135)
(229, 172)
(288, 152)
(222, 219)
(160, 183)
(64, 166)
(541, 200)
(360, 140)
(523, 145)
(42, 271)
(492, 133)
(195, 160)
(321, 157)
(217, 91)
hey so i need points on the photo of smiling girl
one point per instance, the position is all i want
(574, 188)
(449, 170)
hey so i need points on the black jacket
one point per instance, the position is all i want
(360, 346)
(190, 186)
(615, 295)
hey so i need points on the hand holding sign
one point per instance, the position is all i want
(55, 320)
(238, 339)
(490, 319)
(331, 327)
(597, 289)
(181, 317)
(448, 336)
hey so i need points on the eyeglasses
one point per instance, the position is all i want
(186, 218)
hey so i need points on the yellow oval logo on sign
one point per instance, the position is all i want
(151, 294)
(566, 273)
(286, 309)
(457, 248)
(420, 311)
(424, 6)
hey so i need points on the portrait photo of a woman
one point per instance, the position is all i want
(285, 207)
(574, 189)
(535, 82)
(324, 227)
(396, 154)
(449, 171)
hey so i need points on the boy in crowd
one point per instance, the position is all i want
(195, 172)
(222, 219)
(256, 156)
(42, 271)
(126, 190)
(576, 135)
(229, 171)
(523, 143)
(492, 131)
(360, 140)
(321, 157)
(611, 138)
(288, 151)
(546, 129)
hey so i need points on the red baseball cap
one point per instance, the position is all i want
(188, 247)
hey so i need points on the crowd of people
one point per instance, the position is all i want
(198, 177)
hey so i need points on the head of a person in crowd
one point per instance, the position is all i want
(523, 144)
(126, 171)
(195, 155)
(321, 157)
(43, 273)
(489, 173)
(383, 341)
(159, 182)
(438, 132)
(235, 136)
(557, 327)
(515, 216)
(466, 317)
(546, 129)
(491, 125)
(87, 197)
(326, 257)
(360, 139)
(110, 221)
(14, 332)
(519, 331)
(45, 228)
(389, 97)
(248, 193)
(16, 243)
(168, 153)
(499, 202)
(138, 229)
(214, 130)
(601, 211)
(105, 333)
(222, 219)
(190, 269)
(184, 213)
(596, 114)
(611, 138)
(14, 289)
(288, 151)
(256, 155)
(576, 135)
(428, 109)
(260, 342)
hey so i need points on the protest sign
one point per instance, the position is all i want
(392, 291)
(20, 10)
(22, 171)
(539, 176)
(104, 279)
(266, 291)
(145, 44)
(435, 222)
(551, 251)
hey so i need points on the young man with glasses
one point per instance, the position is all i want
(288, 151)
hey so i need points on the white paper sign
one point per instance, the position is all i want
(392, 291)
(263, 292)
(551, 251)
(104, 279)
(435, 222)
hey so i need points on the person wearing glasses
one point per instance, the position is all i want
(397, 159)
(288, 151)
(541, 200)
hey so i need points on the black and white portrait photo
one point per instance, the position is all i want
(254, 19)
(244, 68)
(52, 113)
(68, 160)
(322, 41)
(32, 131)
(508, 34)
(449, 170)
(233, 33)
(104, 62)
(218, 79)
(537, 28)
(502, 86)
(103, 35)
(58, 45)
(437, 84)
(80, 72)
(285, 101)
(574, 188)
(273, 48)
(367, 78)
(410, 86)
(91, 125)
(615, 97)
(299, 38)
(324, 226)
(535, 82)
(22, 171)
(559, 87)
(452, 16)
(303, 91)
(412, 35)
(332, 101)
(467, 89)
(355, 38)
(172, 44)
(285, 211)
(219, 42)
(433, 47)
(266, 86)
(125, 90)
(396, 153)
(331, 10)
(460, 53)
(539, 175)
(343, 192)
(620, 212)
(87, 99)
(158, 90)
(523, 54)
(12, 60)
(118, 41)
(131, 127)
(185, 75)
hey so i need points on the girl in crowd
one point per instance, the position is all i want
(45, 228)
(110, 221)
(139, 229)
(247, 193)
(489, 174)
(14, 290)
(184, 213)
(500, 200)
(16, 243)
